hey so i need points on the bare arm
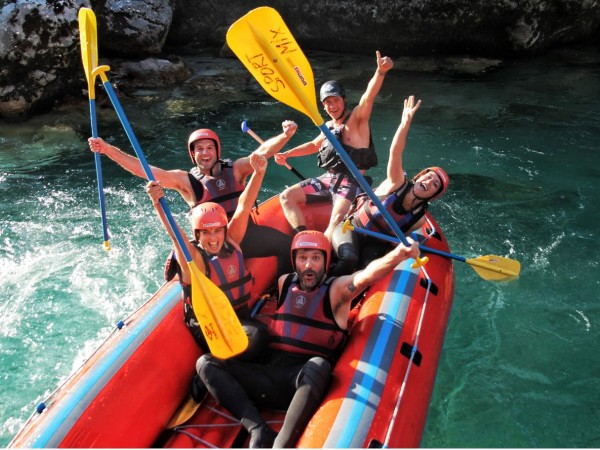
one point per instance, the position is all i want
(273, 145)
(238, 224)
(362, 112)
(242, 166)
(345, 289)
(155, 192)
(170, 179)
(395, 170)
(308, 148)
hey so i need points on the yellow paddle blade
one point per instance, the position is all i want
(184, 413)
(89, 46)
(265, 45)
(497, 268)
(218, 321)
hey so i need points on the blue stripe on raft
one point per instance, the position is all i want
(358, 409)
(69, 412)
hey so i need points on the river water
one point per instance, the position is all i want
(521, 145)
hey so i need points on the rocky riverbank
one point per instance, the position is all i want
(154, 43)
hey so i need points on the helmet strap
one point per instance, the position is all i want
(344, 112)
(218, 161)
(415, 195)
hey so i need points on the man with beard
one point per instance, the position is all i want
(217, 180)
(307, 333)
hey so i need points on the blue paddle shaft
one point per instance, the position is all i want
(363, 183)
(140, 154)
(385, 237)
(99, 179)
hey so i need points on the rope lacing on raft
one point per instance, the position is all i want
(233, 423)
(414, 348)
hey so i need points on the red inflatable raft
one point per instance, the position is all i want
(125, 394)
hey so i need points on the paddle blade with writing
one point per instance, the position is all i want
(219, 323)
(265, 45)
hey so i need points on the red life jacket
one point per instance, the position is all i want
(231, 275)
(223, 189)
(368, 216)
(301, 323)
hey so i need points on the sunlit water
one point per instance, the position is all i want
(519, 366)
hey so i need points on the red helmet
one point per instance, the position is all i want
(208, 215)
(445, 179)
(311, 240)
(203, 133)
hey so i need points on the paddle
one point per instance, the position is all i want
(246, 129)
(265, 45)
(186, 410)
(89, 57)
(489, 267)
(218, 321)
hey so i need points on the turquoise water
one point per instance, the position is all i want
(519, 366)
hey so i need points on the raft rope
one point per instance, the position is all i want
(41, 407)
(182, 429)
(414, 349)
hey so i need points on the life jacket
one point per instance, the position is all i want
(223, 189)
(229, 273)
(368, 216)
(364, 158)
(303, 322)
(190, 319)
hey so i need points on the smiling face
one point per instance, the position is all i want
(205, 154)
(211, 239)
(427, 185)
(310, 267)
(334, 106)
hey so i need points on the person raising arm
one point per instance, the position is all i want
(213, 179)
(351, 128)
(307, 332)
(406, 201)
(215, 245)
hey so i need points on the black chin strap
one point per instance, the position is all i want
(414, 194)
(213, 166)
(343, 112)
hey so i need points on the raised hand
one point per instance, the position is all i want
(410, 108)
(383, 64)
(280, 158)
(289, 127)
(258, 163)
(97, 145)
(155, 191)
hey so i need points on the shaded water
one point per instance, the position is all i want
(519, 366)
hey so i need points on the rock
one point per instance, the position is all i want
(39, 54)
(151, 72)
(182, 30)
(134, 28)
(40, 57)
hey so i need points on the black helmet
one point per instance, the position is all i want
(332, 88)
